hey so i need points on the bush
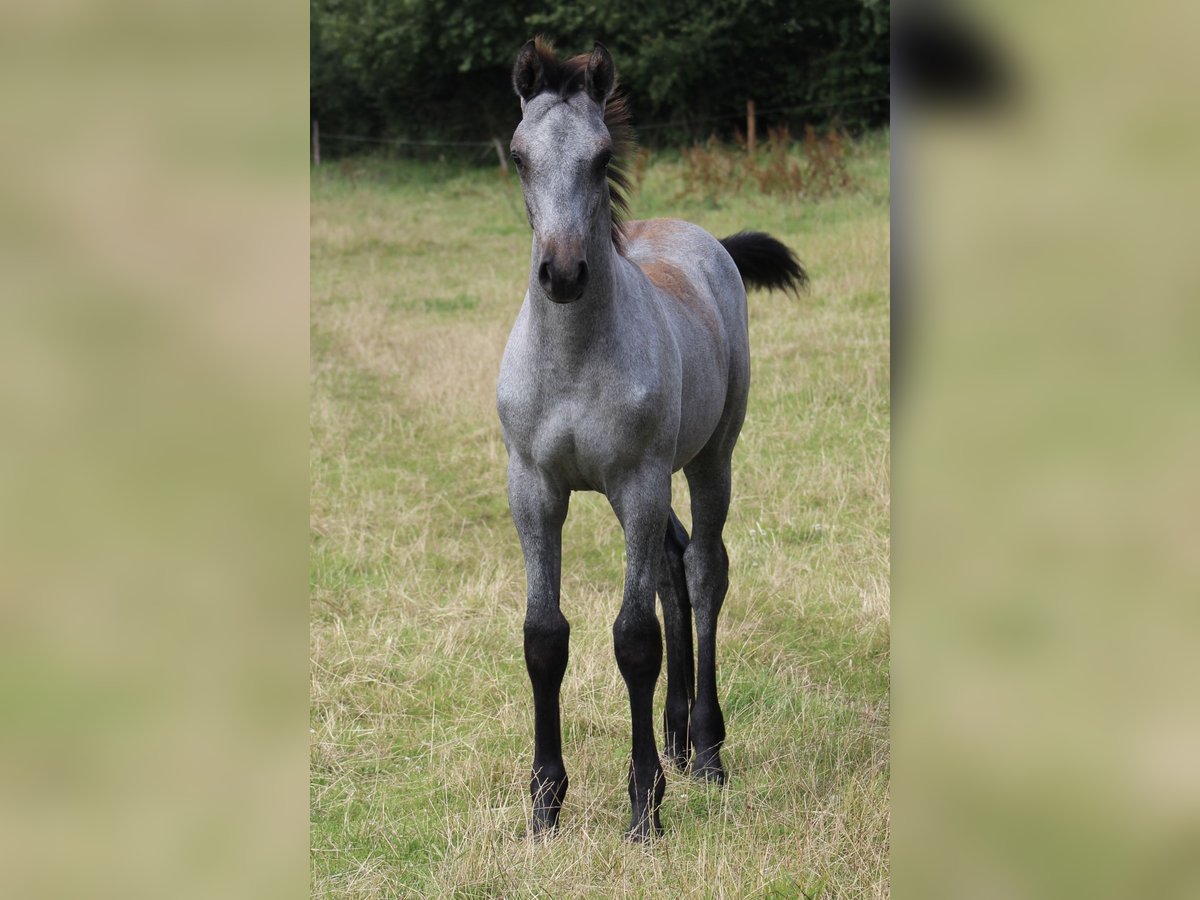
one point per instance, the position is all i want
(814, 170)
(436, 69)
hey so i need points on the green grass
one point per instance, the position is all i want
(421, 711)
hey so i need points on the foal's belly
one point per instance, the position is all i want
(703, 406)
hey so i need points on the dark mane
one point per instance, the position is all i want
(565, 77)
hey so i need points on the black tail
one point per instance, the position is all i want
(764, 262)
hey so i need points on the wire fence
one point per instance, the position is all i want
(404, 141)
(491, 144)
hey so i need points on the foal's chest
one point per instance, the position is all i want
(582, 435)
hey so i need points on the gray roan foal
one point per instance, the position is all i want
(629, 360)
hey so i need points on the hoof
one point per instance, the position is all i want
(711, 775)
(536, 832)
(678, 761)
(643, 832)
(676, 749)
(547, 795)
(544, 823)
(708, 768)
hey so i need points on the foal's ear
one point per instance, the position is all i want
(601, 75)
(527, 73)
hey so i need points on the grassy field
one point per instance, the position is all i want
(421, 711)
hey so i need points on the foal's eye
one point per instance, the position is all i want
(603, 160)
(517, 161)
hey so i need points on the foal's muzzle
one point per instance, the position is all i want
(563, 278)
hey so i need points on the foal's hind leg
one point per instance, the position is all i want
(677, 616)
(706, 566)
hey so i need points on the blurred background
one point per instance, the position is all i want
(1046, 545)
(153, 464)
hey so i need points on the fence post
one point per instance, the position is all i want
(751, 137)
(316, 139)
(500, 155)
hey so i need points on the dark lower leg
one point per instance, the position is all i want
(546, 639)
(708, 576)
(677, 617)
(642, 505)
(638, 644)
(708, 723)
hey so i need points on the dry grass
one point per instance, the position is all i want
(421, 714)
(811, 170)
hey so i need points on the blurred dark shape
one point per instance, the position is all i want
(944, 60)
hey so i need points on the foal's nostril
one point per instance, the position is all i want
(544, 276)
(582, 276)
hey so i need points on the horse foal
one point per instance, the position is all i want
(629, 360)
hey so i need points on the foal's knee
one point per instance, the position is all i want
(546, 639)
(638, 646)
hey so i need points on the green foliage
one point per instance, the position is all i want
(436, 69)
(413, 68)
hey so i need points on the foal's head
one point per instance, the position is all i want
(566, 149)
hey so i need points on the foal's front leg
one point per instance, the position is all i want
(539, 509)
(642, 504)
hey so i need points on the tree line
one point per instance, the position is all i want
(440, 69)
